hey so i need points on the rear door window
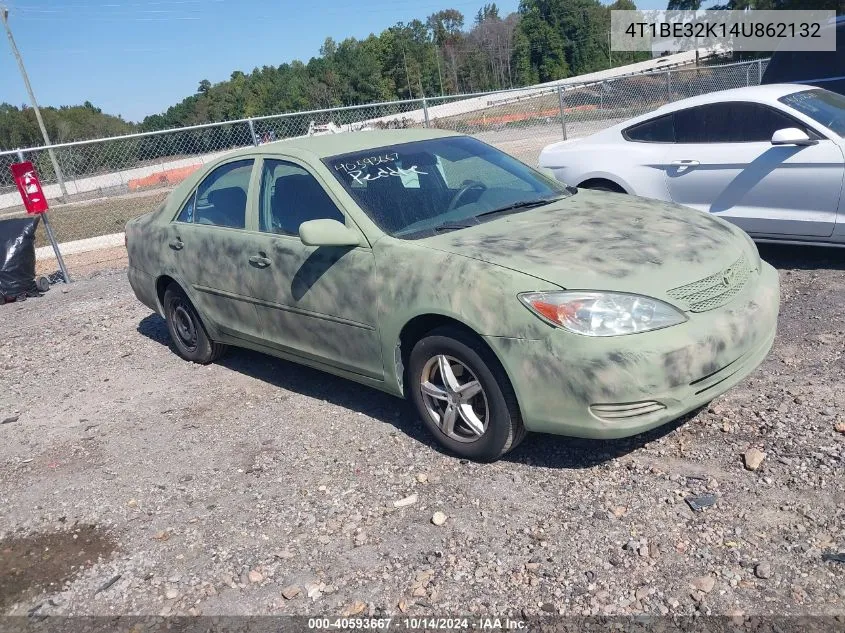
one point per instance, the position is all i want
(659, 130)
(220, 199)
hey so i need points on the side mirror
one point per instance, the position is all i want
(792, 136)
(549, 173)
(327, 233)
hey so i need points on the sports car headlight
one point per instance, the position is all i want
(602, 313)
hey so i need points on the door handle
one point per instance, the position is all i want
(685, 163)
(177, 244)
(259, 261)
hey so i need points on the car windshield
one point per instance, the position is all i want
(823, 106)
(413, 190)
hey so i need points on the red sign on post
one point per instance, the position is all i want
(29, 187)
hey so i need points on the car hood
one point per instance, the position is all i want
(603, 241)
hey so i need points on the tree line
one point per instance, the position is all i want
(443, 54)
(19, 127)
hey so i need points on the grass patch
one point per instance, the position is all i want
(79, 221)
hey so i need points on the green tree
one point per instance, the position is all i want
(559, 38)
(684, 5)
(441, 54)
(19, 127)
(487, 12)
(445, 26)
(541, 48)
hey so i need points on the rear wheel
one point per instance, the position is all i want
(186, 329)
(602, 185)
(463, 396)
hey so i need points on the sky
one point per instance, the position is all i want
(138, 57)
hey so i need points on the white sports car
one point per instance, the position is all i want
(770, 159)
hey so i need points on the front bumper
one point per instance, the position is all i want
(612, 387)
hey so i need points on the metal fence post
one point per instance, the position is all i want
(425, 113)
(59, 176)
(562, 111)
(759, 71)
(252, 132)
(669, 85)
(51, 237)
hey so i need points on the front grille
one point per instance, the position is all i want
(713, 291)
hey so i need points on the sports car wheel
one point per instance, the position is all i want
(603, 186)
(186, 329)
(463, 395)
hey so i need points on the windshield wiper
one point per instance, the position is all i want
(465, 223)
(523, 204)
(453, 225)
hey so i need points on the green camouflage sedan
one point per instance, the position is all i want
(434, 267)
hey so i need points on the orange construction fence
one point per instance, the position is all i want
(162, 178)
(522, 116)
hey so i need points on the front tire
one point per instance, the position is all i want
(186, 329)
(463, 396)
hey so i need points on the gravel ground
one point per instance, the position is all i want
(82, 265)
(133, 482)
(526, 142)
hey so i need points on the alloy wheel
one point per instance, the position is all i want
(454, 398)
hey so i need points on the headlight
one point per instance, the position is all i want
(602, 313)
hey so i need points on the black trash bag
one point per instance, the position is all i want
(17, 258)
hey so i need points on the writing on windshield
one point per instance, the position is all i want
(369, 168)
(360, 177)
(348, 165)
(419, 187)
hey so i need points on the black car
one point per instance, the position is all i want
(825, 69)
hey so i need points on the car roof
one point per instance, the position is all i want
(343, 142)
(764, 93)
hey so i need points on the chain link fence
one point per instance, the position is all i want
(94, 187)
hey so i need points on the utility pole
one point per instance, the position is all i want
(407, 76)
(4, 14)
(439, 74)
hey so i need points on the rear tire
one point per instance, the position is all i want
(186, 329)
(472, 410)
(603, 187)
